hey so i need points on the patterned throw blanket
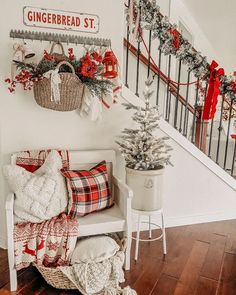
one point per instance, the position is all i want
(50, 242)
(100, 278)
(32, 160)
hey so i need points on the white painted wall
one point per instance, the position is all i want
(193, 193)
(25, 125)
(220, 33)
(179, 12)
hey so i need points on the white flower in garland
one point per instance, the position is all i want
(228, 87)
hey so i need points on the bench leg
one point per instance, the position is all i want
(12, 269)
(128, 250)
(13, 280)
(10, 243)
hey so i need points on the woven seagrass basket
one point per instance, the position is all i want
(71, 91)
(58, 56)
(57, 279)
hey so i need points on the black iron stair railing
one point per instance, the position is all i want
(181, 102)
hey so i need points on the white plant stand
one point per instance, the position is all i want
(150, 214)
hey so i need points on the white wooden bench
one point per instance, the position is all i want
(115, 219)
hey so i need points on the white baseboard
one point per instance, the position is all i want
(199, 218)
(188, 219)
(3, 242)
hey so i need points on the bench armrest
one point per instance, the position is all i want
(9, 202)
(123, 197)
(124, 188)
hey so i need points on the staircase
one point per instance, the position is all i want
(180, 101)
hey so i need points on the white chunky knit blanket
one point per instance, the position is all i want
(100, 278)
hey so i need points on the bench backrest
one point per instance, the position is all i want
(87, 159)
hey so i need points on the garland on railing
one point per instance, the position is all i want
(172, 42)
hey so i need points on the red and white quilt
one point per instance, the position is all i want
(50, 243)
(33, 160)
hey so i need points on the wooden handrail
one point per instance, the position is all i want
(163, 77)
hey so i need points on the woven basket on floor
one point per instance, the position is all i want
(57, 279)
(71, 91)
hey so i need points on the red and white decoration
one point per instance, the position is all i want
(213, 91)
(50, 243)
(61, 20)
(89, 190)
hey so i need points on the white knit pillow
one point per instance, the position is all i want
(94, 249)
(40, 195)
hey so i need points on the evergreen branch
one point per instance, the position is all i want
(98, 88)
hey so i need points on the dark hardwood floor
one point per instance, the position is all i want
(201, 260)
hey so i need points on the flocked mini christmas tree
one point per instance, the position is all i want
(141, 150)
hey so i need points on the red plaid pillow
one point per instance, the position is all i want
(89, 190)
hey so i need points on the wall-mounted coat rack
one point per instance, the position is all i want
(52, 37)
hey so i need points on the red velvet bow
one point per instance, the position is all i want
(213, 91)
(176, 38)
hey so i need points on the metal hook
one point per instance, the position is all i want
(41, 36)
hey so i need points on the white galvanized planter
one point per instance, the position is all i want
(147, 188)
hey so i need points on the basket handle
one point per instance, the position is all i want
(60, 45)
(67, 64)
(123, 244)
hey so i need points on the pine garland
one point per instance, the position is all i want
(141, 150)
(31, 67)
(161, 28)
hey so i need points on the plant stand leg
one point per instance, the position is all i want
(163, 233)
(150, 227)
(137, 238)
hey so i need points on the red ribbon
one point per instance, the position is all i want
(176, 38)
(213, 91)
(105, 104)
